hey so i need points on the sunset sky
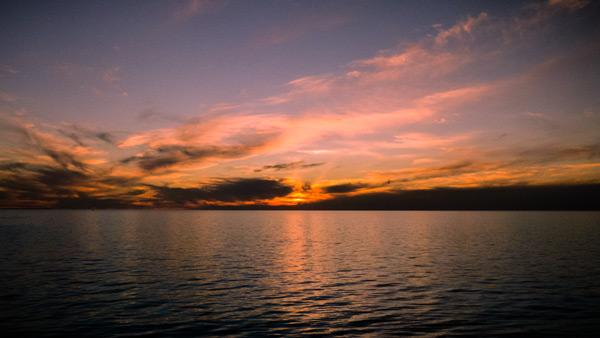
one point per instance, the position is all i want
(207, 102)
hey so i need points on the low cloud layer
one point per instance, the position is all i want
(226, 190)
(554, 197)
(41, 186)
(344, 188)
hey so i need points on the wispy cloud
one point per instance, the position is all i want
(169, 156)
(289, 166)
(7, 70)
(7, 97)
(99, 80)
(188, 9)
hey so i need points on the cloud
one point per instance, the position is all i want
(461, 29)
(571, 5)
(289, 166)
(7, 70)
(151, 114)
(168, 156)
(344, 188)
(105, 136)
(43, 142)
(112, 76)
(225, 190)
(50, 185)
(547, 197)
(99, 80)
(218, 128)
(555, 154)
(187, 9)
(83, 201)
(68, 145)
(27, 185)
(507, 166)
(427, 141)
(52, 163)
(453, 169)
(81, 135)
(7, 97)
(300, 87)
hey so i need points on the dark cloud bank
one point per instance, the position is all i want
(227, 190)
(344, 188)
(48, 187)
(554, 197)
(557, 197)
(30, 186)
(60, 186)
(41, 186)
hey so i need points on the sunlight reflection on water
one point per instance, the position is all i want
(266, 272)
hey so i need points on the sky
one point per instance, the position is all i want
(215, 103)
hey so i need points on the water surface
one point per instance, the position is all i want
(176, 273)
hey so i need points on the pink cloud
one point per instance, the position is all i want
(188, 9)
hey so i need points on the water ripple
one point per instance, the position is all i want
(185, 273)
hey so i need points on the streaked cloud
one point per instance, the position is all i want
(7, 97)
(187, 9)
(289, 166)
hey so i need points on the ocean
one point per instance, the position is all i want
(115, 273)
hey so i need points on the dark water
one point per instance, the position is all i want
(178, 273)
